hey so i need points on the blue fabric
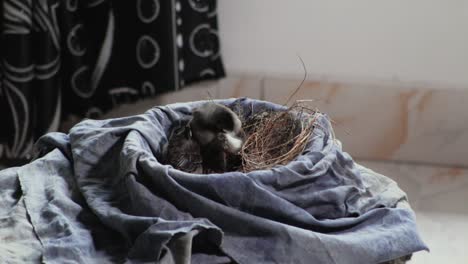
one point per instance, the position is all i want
(101, 194)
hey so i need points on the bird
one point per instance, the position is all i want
(218, 131)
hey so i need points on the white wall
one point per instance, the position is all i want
(407, 40)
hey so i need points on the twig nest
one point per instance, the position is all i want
(276, 138)
(272, 138)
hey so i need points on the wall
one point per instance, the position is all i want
(418, 40)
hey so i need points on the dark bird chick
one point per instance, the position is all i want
(218, 131)
(183, 153)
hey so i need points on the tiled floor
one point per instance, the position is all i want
(440, 198)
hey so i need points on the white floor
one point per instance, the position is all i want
(440, 198)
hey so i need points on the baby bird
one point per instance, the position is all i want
(218, 131)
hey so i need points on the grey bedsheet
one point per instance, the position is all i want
(101, 195)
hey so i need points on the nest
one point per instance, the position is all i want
(276, 137)
(272, 138)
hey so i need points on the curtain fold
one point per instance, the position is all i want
(70, 58)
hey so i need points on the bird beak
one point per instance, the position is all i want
(234, 143)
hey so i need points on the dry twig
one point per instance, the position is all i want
(276, 138)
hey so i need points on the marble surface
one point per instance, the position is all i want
(389, 121)
(374, 120)
(202, 91)
(439, 197)
(229, 87)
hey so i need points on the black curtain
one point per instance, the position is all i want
(75, 58)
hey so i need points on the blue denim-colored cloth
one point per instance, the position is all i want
(101, 194)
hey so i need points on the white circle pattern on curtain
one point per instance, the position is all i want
(204, 47)
(148, 52)
(148, 10)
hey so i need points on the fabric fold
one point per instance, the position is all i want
(102, 193)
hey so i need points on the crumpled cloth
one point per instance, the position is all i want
(101, 194)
